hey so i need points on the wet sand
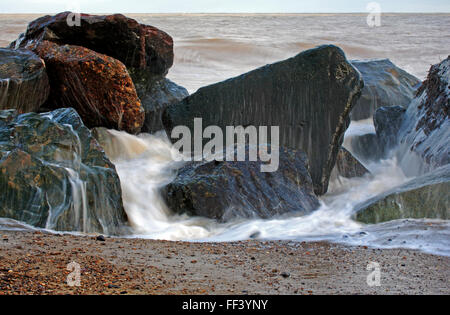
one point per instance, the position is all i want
(36, 263)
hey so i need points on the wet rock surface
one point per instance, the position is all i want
(423, 197)
(136, 45)
(309, 96)
(366, 147)
(385, 84)
(425, 132)
(97, 86)
(388, 121)
(233, 190)
(348, 166)
(24, 83)
(54, 174)
(156, 94)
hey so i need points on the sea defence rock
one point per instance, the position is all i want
(423, 197)
(348, 166)
(156, 95)
(366, 147)
(388, 121)
(136, 45)
(425, 132)
(384, 85)
(24, 83)
(231, 190)
(97, 86)
(54, 174)
(309, 97)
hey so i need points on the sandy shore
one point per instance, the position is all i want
(36, 263)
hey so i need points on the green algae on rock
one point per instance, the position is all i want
(425, 197)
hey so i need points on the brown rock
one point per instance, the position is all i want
(348, 166)
(97, 86)
(136, 45)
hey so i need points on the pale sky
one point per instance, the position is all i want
(219, 6)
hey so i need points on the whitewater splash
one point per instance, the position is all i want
(146, 164)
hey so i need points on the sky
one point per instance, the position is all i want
(219, 6)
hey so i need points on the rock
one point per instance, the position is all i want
(136, 45)
(156, 96)
(54, 174)
(229, 190)
(23, 81)
(97, 86)
(100, 238)
(348, 166)
(365, 147)
(388, 121)
(423, 197)
(309, 96)
(384, 85)
(425, 132)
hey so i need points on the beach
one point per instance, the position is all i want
(36, 263)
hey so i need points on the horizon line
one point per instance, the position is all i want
(227, 13)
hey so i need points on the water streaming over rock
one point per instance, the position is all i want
(146, 164)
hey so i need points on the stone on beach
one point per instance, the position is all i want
(425, 131)
(385, 84)
(388, 121)
(54, 174)
(424, 197)
(231, 190)
(348, 166)
(156, 95)
(136, 45)
(24, 83)
(97, 86)
(309, 96)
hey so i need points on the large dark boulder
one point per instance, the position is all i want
(385, 84)
(231, 190)
(156, 95)
(388, 121)
(425, 197)
(136, 45)
(425, 132)
(309, 97)
(24, 83)
(54, 174)
(97, 86)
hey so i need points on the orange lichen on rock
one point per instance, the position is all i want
(97, 86)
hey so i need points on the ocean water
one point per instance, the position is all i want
(211, 48)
